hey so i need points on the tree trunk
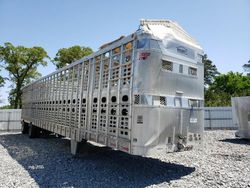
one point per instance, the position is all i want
(17, 101)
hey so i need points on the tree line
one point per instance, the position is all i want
(219, 88)
(21, 63)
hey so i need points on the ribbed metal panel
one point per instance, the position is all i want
(241, 115)
(10, 119)
(218, 118)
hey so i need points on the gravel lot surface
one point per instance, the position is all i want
(224, 161)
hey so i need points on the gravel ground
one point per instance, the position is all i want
(223, 161)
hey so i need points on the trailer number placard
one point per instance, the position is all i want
(140, 119)
(193, 120)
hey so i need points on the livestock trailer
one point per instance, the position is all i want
(241, 115)
(139, 94)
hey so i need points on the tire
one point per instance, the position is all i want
(59, 136)
(84, 141)
(34, 131)
(45, 133)
(25, 128)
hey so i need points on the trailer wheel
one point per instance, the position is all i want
(33, 131)
(25, 128)
(45, 132)
(84, 141)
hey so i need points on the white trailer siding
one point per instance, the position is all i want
(218, 118)
(10, 119)
(241, 115)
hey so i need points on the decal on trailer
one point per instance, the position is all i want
(144, 55)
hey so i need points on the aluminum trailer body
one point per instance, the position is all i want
(140, 94)
(241, 115)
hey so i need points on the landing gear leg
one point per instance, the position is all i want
(74, 146)
(25, 128)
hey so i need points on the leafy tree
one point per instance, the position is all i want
(226, 86)
(246, 68)
(1, 81)
(65, 56)
(21, 63)
(210, 71)
(6, 107)
(1, 84)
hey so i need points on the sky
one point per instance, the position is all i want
(222, 27)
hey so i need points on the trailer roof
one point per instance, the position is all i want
(166, 30)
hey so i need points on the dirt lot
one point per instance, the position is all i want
(223, 161)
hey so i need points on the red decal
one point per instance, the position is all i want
(125, 148)
(144, 55)
(112, 144)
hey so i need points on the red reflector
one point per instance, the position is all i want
(125, 148)
(144, 55)
(113, 145)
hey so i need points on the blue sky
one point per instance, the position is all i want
(222, 27)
